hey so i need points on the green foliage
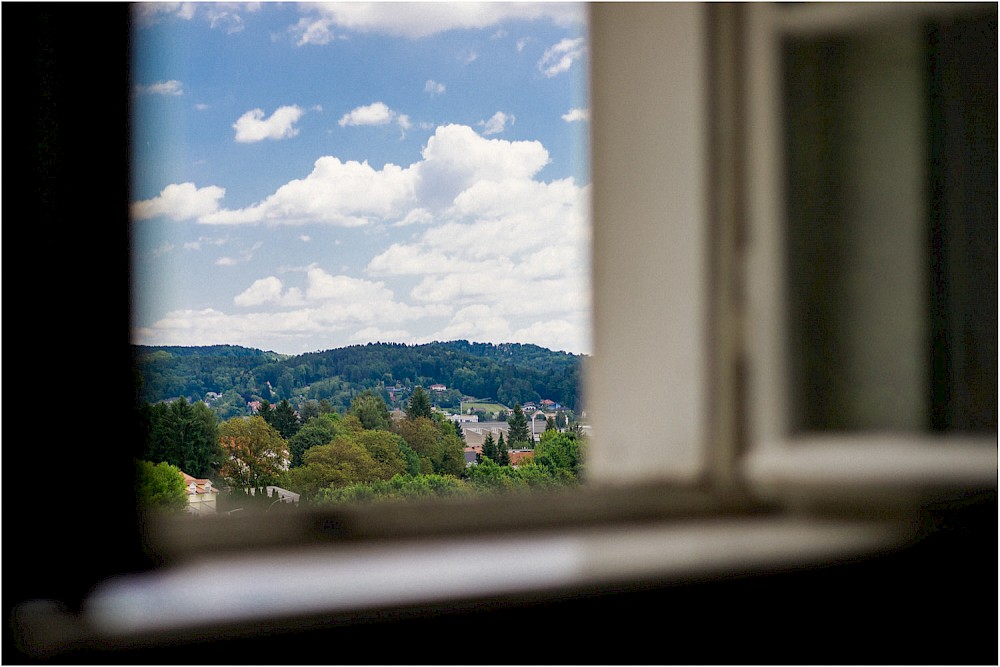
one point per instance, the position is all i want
(490, 450)
(399, 488)
(160, 487)
(511, 372)
(182, 434)
(435, 442)
(561, 454)
(255, 453)
(371, 410)
(503, 454)
(518, 434)
(419, 405)
(284, 419)
(490, 477)
(317, 431)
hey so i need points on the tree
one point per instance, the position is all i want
(256, 454)
(560, 453)
(550, 424)
(518, 434)
(419, 404)
(160, 487)
(317, 431)
(371, 409)
(343, 462)
(503, 456)
(182, 434)
(490, 448)
(284, 419)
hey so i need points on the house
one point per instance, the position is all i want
(475, 432)
(201, 495)
(472, 455)
(438, 387)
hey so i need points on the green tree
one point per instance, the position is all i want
(419, 404)
(503, 456)
(386, 449)
(160, 487)
(342, 462)
(371, 409)
(182, 434)
(518, 434)
(560, 454)
(284, 419)
(256, 454)
(490, 448)
(550, 424)
(317, 431)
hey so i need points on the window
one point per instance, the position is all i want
(872, 272)
(730, 466)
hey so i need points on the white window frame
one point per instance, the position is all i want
(779, 461)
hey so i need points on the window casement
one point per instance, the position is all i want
(871, 268)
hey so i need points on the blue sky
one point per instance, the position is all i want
(311, 176)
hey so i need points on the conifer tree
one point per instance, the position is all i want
(518, 434)
(490, 448)
(503, 456)
(419, 405)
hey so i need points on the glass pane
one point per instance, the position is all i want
(891, 237)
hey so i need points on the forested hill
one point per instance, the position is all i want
(509, 373)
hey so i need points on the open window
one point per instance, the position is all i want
(793, 389)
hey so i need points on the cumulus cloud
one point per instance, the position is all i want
(497, 123)
(417, 20)
(487, 238)
(576, 115)
(180, 201)
(433, 87)
(269, 290)
(172, 88)
(560, 57)
(252, 126)
(376, 113)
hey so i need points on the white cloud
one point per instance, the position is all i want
(252, 127)
(226, 16)
(269, 290)
(344, 194)
(201, 107)
(492, 251)
(560, 57)
(416, 20)
(173, 88)
(576, 115)
(182, 201)
(376, 113)
(433, 87)
(497, 123)
(521, 43)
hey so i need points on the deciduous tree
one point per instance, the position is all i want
(256, 454)
(371, 409)
(160, 487)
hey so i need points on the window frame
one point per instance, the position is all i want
(781, 461)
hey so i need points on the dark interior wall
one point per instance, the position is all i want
(69, 519)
